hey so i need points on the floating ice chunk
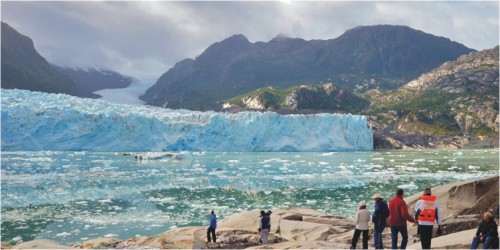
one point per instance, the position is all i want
(328, 153)
(17, 239)
(155, 156)
(63, 234)
(311, 202)
(474, 167)
(110, 235)
(410, 185)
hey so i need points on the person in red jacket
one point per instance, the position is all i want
(398, 215)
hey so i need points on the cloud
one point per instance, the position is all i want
(144, 39)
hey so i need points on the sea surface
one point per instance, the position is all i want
(75, 196)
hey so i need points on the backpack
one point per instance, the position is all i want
(266, 222)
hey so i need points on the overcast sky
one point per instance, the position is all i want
(145, 39)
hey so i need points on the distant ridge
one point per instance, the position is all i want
(90, 80)
(391, 55)
(24, 68)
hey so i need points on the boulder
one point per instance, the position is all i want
(40, 244)
(186, 237)
(99, 243)
(460, 240)
(305, 231)
(464, 197)
(304, 245)
(461, 223)
(5, 246)
(331, 220)
(250, 220)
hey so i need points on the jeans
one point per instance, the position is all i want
(211, 230)
(425, 236)
(263, 234)
(377, 237)
(487, 242)
(394, 237)
(355, 238)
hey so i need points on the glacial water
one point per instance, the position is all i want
(74, 196)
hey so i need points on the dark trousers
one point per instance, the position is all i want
(377, 236)
(355, 238)
(394, 237)
(211, 230)
(425, 236)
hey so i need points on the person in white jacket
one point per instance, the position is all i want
(361, 219)
(427, 211)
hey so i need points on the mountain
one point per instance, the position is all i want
(303, 99)
(381, 56)
(24, 68)
(453, 105)
(90, 80)
(459, 100)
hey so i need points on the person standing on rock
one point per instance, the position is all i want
(265, 226)
(212, 226)
(398, 215)
(486, 233)
(362, 218)
(426, 212)
(379, 220)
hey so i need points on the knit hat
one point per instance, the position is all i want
(362, 203)
(427, 191)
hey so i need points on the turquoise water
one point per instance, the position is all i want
(74, 196)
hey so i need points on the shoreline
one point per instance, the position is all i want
(305, 227)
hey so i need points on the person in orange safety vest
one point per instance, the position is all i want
(427, 211)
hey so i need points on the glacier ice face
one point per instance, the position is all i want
(41, 121)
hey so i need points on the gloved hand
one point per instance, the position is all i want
(439, 232)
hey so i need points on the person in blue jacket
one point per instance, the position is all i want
(212, 226)
(379, 220)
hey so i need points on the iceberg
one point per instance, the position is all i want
(34, 121)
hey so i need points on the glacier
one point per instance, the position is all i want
(35, 121)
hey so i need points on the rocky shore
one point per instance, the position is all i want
(462, 204)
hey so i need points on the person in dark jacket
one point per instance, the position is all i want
(212, 226)
(398, 215)
(265, 226)
(487, 232)
(379, 219)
